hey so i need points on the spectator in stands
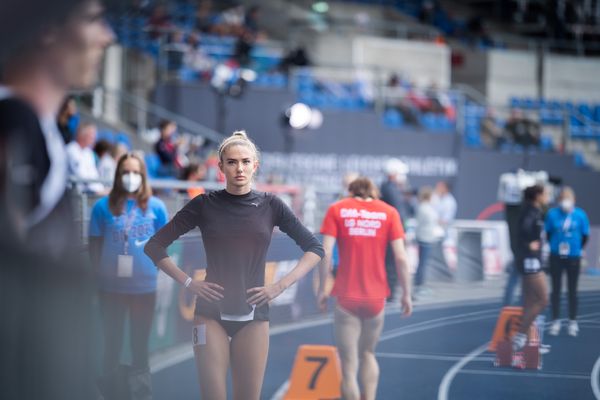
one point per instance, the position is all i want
(393, 193)
(82, 162)
(428, 233)
(159, 22)
(197, 59)
(231, 21)
(48, 48)
(206, 18)
(194, 173)
(68, 119)
(397, 98)
(106, 164)
(167, 148)
(427, 12)
(521, 130)
(251, 19)
(176, 50)
(107, 154)
(120, 224)
(243, 48)
(296, 57)
(440, 102)
(491, 133)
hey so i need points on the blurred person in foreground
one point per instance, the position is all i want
(393, 193)
(48, 48)
(529, 261)
(567, 230)
(120, 224)
(362, 226)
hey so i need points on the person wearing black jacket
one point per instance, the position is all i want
(528, 260)
(232, 307)
(46, 336)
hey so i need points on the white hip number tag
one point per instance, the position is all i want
(532, 265)
(199, 335)
(564, 249)
(125, 266)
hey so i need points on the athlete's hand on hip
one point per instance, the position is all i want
(322, 301)
(535, 245)
(261, 295)
(207, 290)
(406, 305)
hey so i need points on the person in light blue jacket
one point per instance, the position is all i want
(567, 228)
(120, 225)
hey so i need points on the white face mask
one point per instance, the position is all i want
(131, 182)
(567, 204)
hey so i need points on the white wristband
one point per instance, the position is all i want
(187, 281)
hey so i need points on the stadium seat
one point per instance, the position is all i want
(152, 164)
(579, 159)
(392, 118)
(122, 137)
(546, 143)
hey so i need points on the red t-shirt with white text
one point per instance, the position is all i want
(362, 230)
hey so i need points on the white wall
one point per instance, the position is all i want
(571, 78)
(510, 74)
(423, 63)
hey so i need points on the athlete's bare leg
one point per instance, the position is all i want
(535, 299)
(369, 369)
(347, 334)
(249, 350)
(212, 360)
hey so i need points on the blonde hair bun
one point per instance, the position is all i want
(238, 138)
(241, 133)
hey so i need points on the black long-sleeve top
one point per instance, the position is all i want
(531, 226)
(236, 231)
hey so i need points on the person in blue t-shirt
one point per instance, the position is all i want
(120, 225)
(567, 228)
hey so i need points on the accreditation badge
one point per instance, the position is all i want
(564, 249)
(125, 266)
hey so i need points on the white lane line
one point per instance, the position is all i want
(525, 374)
(280, 393)
(595, 379)
(444, 388)
(428, 357)
(412, 329)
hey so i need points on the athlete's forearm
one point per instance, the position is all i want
(306, 263)
(403, 275)
(325, 264)
(170, 268)
(324, 269)
(402, 266)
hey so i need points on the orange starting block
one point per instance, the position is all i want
(508, 324)
(316, 374)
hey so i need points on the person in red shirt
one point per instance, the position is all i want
(363, 226)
